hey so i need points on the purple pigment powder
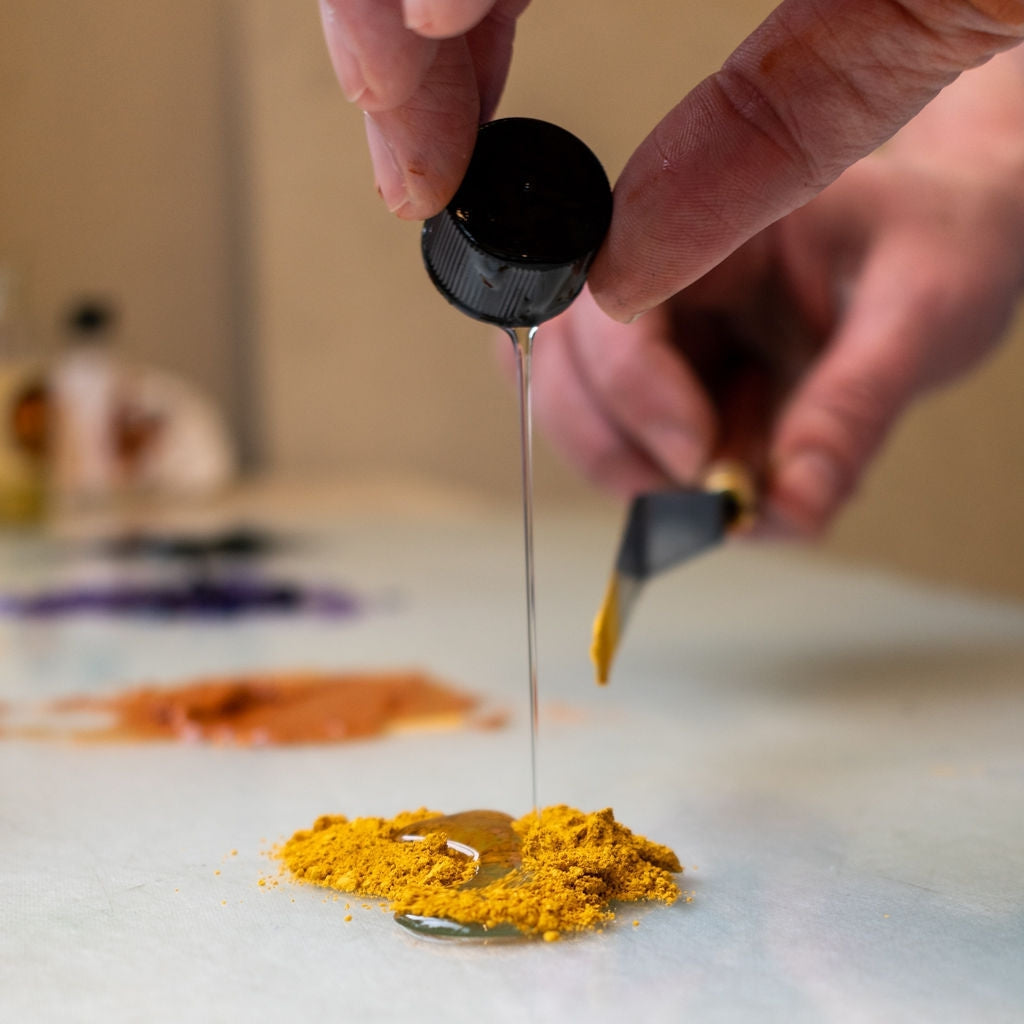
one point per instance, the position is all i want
(199, 598)
(216, 576)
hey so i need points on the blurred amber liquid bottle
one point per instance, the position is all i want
(24, 416)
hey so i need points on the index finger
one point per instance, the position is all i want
(820, 84)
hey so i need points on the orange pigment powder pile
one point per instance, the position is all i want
(268, 709)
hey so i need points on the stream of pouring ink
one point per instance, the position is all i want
(487, 836)
(522, 340)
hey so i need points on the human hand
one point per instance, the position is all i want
(795, 341)
(798, 352)
(808, 94)
(427, 73)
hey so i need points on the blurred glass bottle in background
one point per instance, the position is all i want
(123, 427)
(25, 418)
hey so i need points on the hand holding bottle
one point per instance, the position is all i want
(736, 229)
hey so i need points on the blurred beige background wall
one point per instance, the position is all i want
(115, 176)
(199, 160)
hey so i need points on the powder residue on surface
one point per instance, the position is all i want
(574, 866)
(269, 709)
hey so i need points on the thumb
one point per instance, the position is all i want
(820, 84)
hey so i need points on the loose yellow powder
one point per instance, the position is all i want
(574, 867)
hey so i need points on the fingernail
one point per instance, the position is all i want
(390, 180)
(417, 15)
(811, 481)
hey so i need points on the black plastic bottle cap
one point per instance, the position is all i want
(514, 245)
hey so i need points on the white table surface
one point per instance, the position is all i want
(836, 756)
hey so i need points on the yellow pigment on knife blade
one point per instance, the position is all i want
(605, 638)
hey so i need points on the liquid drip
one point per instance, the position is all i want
(522, 340)
(486, 837)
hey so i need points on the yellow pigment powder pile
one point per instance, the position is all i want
(571, 867)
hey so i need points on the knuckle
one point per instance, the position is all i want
(852, 420)
(748, 98)
(972, 21)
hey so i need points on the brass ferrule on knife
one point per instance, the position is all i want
(736, 481)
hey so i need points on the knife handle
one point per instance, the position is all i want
(747, 405)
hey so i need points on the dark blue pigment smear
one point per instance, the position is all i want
(238, 543)
(201, 598)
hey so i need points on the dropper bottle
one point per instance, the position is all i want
(514, 245)
(513, 248)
